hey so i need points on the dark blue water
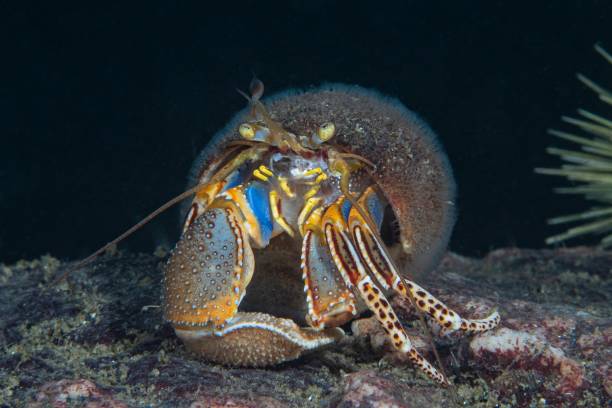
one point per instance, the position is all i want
(102, 109)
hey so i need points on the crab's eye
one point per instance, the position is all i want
(326, 131)
(247, 131)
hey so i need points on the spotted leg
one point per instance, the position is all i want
(374, 254)
(205, 280)
(353, 271)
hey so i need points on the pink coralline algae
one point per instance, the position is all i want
(67, 393)
(548, 347)
(511, 349)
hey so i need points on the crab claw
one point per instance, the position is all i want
(256, 340)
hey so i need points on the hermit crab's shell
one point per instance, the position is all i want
(412, 169)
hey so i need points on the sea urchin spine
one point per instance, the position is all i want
(590, 166)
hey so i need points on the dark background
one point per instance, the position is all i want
(103, 108)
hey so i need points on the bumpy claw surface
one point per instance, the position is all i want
(256, 340)
(208, 271)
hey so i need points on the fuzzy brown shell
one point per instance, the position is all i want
(412, 169)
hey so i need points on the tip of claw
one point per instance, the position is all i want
(442, 380)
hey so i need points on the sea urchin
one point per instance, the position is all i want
(590, 166)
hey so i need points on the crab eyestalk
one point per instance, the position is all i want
(590, 166)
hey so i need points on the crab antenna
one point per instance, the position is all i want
(130, 231)
(256, 87)
(358, 158)
(247, 97)
(141, 223)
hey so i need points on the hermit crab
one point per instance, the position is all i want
(309, 209)
(290, 224)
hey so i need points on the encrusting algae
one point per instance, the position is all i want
(96, 340)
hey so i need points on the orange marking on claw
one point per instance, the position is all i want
(216, 311)
(208, 193)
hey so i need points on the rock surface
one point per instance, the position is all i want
(98, 340)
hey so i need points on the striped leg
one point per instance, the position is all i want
(227, 176)
(330, 302)
(347, 261)
(374, 254)
(201, 201)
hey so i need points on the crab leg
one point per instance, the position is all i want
(347, 261)
(228, 176)
(330, 301)
(373, 252)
